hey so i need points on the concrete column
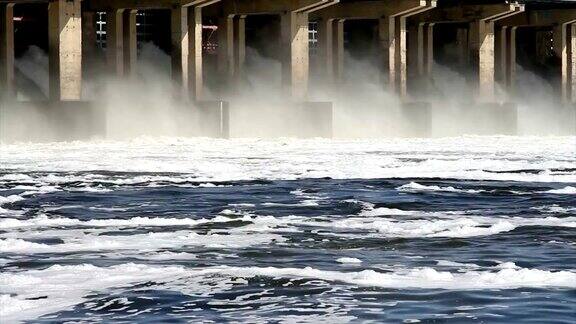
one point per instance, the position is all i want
(89, 37)
(385, 30)
(180, 50)
(186, 36)
(425, 48)
(398, 55)
(326, 48)
(462, 44)
(130, 42)
(510, 57)
(295, 59)
(415, 50)
(561, 49)
(483, 48)
(226, 47)
(7, 86)
(239, 51)
(115, 41)
(500, 53)
(338, 48)
(65, 43)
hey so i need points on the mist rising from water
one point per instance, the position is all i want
(362, 107)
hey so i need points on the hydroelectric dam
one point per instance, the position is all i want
(73, 69)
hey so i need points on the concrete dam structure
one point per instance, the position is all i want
(314, 45)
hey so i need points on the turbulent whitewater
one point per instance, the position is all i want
(468, 229)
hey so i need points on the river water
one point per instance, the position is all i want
(468, 229)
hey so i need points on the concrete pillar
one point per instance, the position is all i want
(186, 37)
(326, 48)
(65, 55)
(115, 41)
(7, 86)
(398, 55)
(500, 53)
(239, 51)
(425, 48)
(510, 59)
(561, 49)
(462, 44)
(414, 50)
(180, 50)
(130, 42)
(338, 48)
(226, 47)
(295, 59)
(483, 43)
(89, 37)
(385, 30)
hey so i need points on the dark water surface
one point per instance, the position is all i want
(123, 248)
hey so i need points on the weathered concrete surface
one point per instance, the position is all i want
(481, 38)
(187, 60)
(483, 46)
(232, 50)
(393, 35)
(565, 49)
(65, 42)
(115, 41)
(506, 58)
(295, 57)
(7, 86)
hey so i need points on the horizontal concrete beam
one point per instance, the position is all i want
(469, 13)
(369, 9)
(540, 18)
(103, 5)
(257, 7)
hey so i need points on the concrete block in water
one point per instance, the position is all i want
(417, 119)
(490, 118)
(214, 118)
(43, 121)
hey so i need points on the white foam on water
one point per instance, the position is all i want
(10, 199)
(416, 187)
(460, 226)
(212, 160)
(169, 256)
(348, 260)
(26, 295)
(555, 209)
(446, 263)
(415, 225)
(145, 242)
(61, 287)
(45, 221)
(569, 190)
(15, 177)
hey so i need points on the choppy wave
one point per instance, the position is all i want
(416, 187)
(569, 190)
(297, 230)
(32, 293)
